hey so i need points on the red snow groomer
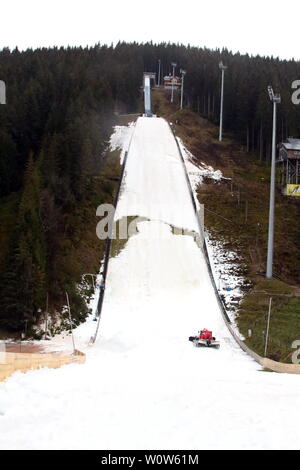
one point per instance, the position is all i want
(205, 338)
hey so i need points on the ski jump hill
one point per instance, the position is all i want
(166, 279)
(144, 385)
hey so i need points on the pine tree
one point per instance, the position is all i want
(24, 284)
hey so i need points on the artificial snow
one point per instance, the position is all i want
(120, 139)
(144, 385)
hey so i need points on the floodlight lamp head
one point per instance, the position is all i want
(222, 66)
(173, 64)
(271, 93)
(277, 98)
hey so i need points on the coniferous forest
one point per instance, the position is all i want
(54, 131)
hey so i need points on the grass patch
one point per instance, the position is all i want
(284, 320)
(125, 119)
(121, 234)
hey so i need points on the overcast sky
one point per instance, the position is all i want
(258, 27)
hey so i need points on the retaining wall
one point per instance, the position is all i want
(12, 362)
(280, 366)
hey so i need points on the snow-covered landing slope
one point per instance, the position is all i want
(155, 182)
(144, 386)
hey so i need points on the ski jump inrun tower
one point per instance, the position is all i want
(148, 76)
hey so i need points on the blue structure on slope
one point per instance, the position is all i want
(147, 93)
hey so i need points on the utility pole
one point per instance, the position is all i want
(222, 68)
(71, 322)
(173, 77)
(183, 72)
(158, 73)
(276, 99)
(46, 316)
(268, 327)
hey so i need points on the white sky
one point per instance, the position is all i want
(262, 27)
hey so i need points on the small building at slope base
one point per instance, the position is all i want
(289, 158)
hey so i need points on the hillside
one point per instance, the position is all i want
(56, 169)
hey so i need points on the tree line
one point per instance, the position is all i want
(54, 130)
(247, 108)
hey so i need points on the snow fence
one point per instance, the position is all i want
(263, 361)
(22, 362)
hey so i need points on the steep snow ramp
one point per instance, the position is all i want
(155, 184)
(160, 275)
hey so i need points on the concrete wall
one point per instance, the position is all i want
(12, 362)
(280, 366)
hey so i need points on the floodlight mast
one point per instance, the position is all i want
(271, 93)
(159, 63)
(173, 76)
(275, 99)
(183, 72)
(222, 68)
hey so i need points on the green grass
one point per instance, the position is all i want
(118, 242)
(284, 320)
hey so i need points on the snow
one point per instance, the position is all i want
(144, 386)
(120, 139)
(155, 181)
(229, 282)
(197, 173)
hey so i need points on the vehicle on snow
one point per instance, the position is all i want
(205, 339)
